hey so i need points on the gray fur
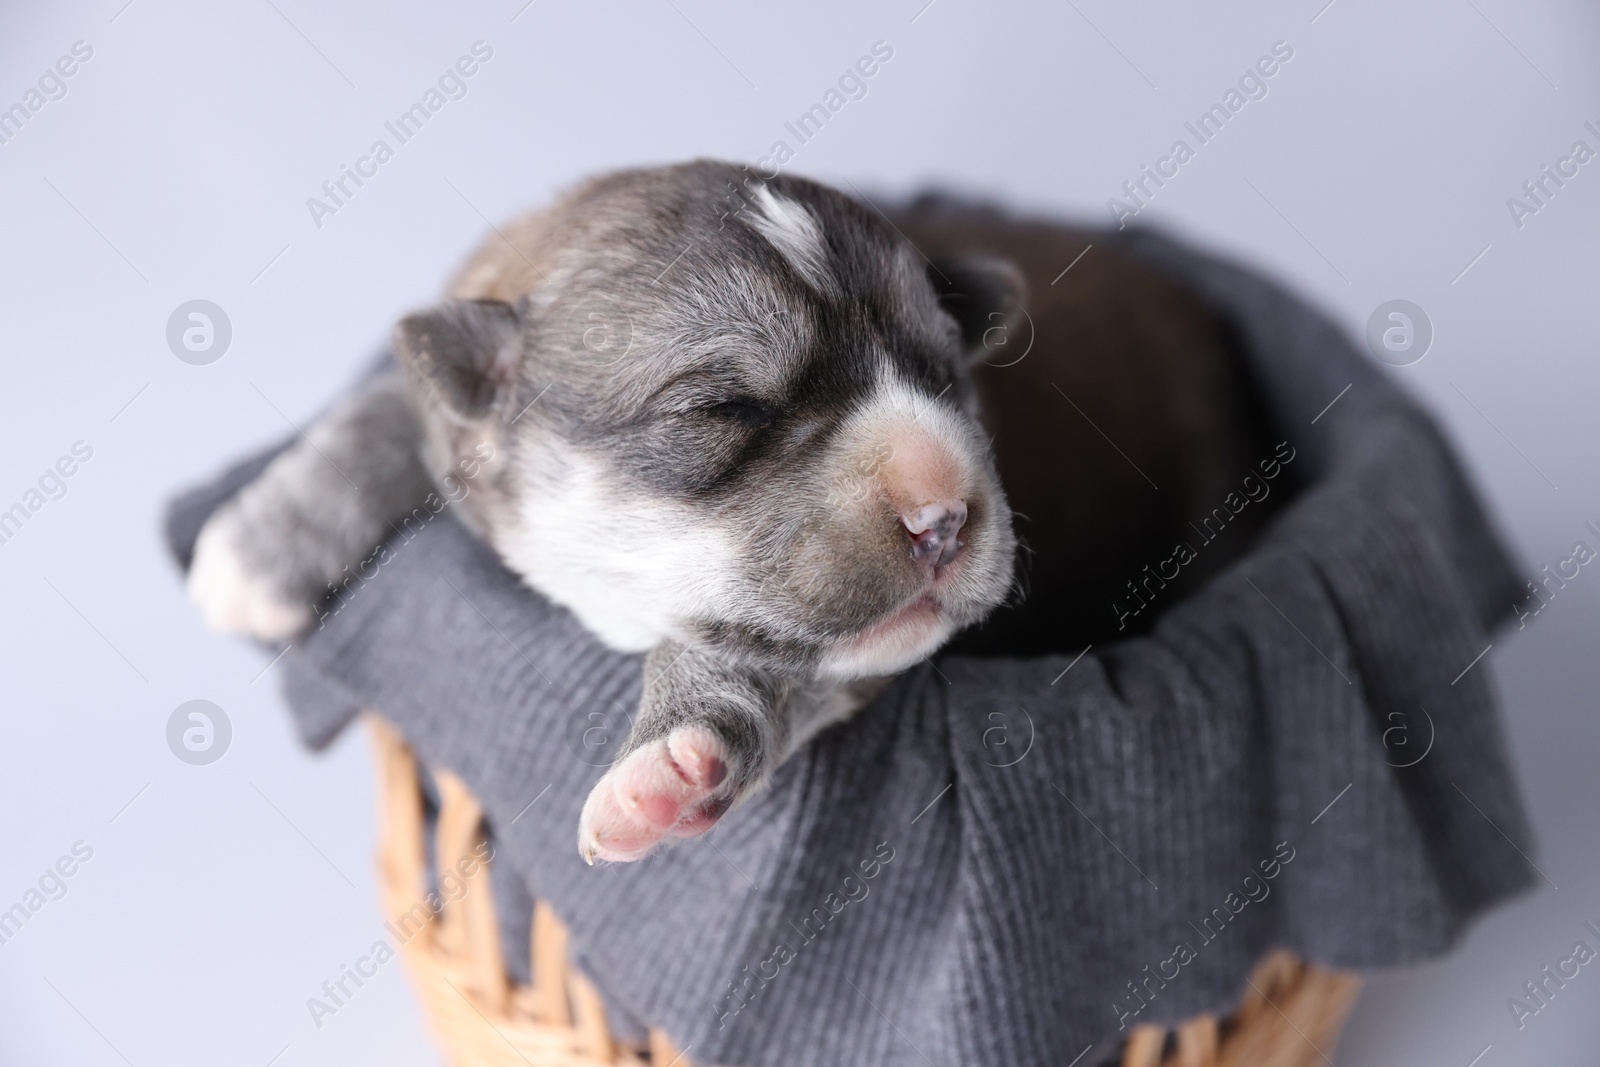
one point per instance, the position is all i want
(691, 358)
(322, 504)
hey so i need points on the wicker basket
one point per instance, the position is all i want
(1289, 1016)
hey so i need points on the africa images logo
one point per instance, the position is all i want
(199, 732)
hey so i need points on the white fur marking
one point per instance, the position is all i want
(791, 228)
(231, 598)
(579, 543)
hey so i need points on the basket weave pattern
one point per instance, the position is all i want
(1289, 1016)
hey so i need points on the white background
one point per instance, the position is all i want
(178, 166)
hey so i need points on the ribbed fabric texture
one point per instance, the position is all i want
(1073, 851)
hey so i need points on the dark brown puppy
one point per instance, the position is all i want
(1122, 418)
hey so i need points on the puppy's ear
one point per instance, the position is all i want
(464, 352)
(985, 296)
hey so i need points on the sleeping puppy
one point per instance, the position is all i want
(748, 427)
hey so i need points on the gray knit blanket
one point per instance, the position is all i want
(1011, 861)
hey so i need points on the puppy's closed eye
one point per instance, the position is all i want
(743, 410)
(699, 441)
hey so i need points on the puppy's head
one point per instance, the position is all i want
(732, 411)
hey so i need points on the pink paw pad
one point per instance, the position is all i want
(668, 788)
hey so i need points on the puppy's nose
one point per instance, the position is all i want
(935, 531)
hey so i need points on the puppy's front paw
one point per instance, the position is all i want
(232, 597)
(674, 787)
